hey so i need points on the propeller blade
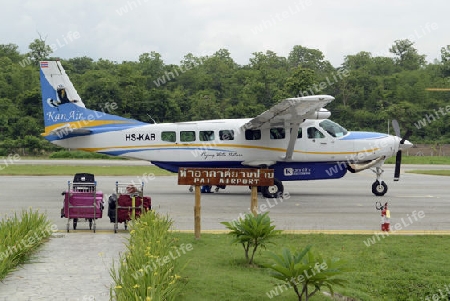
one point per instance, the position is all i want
(396, 127)
(398, 162)
(408, 133)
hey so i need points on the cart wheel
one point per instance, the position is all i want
(94, 228)
(125, 223)
(115, 228)
(90, 224)
(67, 227)
(75, 221)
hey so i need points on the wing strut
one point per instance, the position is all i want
(292, 140)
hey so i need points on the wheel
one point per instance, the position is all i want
(90, 224)
(379, 188)
(94, 228)
(115, 228)
(274, 191)
(125, 223)
(75, 221)
(68, 227)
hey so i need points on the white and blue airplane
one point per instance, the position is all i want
(295, 138)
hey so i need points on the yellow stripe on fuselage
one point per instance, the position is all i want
(81, 124)
(206, 147)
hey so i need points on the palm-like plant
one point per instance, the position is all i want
(252, 232)
(304, 269)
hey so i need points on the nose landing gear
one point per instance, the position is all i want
(379, 188)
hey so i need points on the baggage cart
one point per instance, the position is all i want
(127, 203)
(82, 200)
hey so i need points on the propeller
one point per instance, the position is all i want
(398, 157)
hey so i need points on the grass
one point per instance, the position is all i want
(444, 172)
(20, 236)
(421, 160)
(49, 170)
(394, 268)
(55, 170)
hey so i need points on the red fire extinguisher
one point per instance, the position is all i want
(385, 216)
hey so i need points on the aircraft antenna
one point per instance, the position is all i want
(151, 118)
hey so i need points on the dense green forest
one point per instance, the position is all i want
(370, 90)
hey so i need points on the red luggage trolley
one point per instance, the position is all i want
(128, 203)
(82, 200)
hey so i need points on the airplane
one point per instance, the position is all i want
(295, 138)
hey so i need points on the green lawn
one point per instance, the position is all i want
(394, 268)
(431, 172)
(47, 170)
(50, 170)
(421, 160)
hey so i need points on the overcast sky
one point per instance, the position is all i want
(123, 29)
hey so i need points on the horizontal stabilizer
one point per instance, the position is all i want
(66, 130)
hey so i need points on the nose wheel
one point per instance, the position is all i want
(379, 188)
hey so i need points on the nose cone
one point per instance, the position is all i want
(405, 145)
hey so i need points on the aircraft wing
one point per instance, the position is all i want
(292, 110)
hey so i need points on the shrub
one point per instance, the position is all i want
(146, 271)
(252, 232)
(304, 269)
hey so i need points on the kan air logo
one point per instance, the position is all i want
(297, 171)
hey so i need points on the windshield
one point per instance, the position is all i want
(333, 128)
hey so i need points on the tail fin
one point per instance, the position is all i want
(65, 114)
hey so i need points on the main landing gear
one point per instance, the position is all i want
(379, 188)
(274, 191)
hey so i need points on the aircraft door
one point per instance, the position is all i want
(318, 145)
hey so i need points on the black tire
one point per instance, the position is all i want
(274, 191)
(379, 188)
(90, 224)
(75, 221)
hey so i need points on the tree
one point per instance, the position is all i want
(301, 83)
(269, 75)
(445, 61)
(10, 51)
(407, 56)
(309, 58)
(39, 50)
(151, 64)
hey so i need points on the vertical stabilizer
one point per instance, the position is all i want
(65, 114)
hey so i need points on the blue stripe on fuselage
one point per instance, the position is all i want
(363, 135)
(284, 171)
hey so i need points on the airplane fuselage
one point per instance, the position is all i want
(219, 143)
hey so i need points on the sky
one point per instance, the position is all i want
(121, 30)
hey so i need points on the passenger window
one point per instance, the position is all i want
(253, 135)
(226, 135)
(168, 136)
(187, 136)
(206, 135)
(277, 133)
(314, 133)
(299, 133)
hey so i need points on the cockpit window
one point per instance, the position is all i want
(333, 128)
